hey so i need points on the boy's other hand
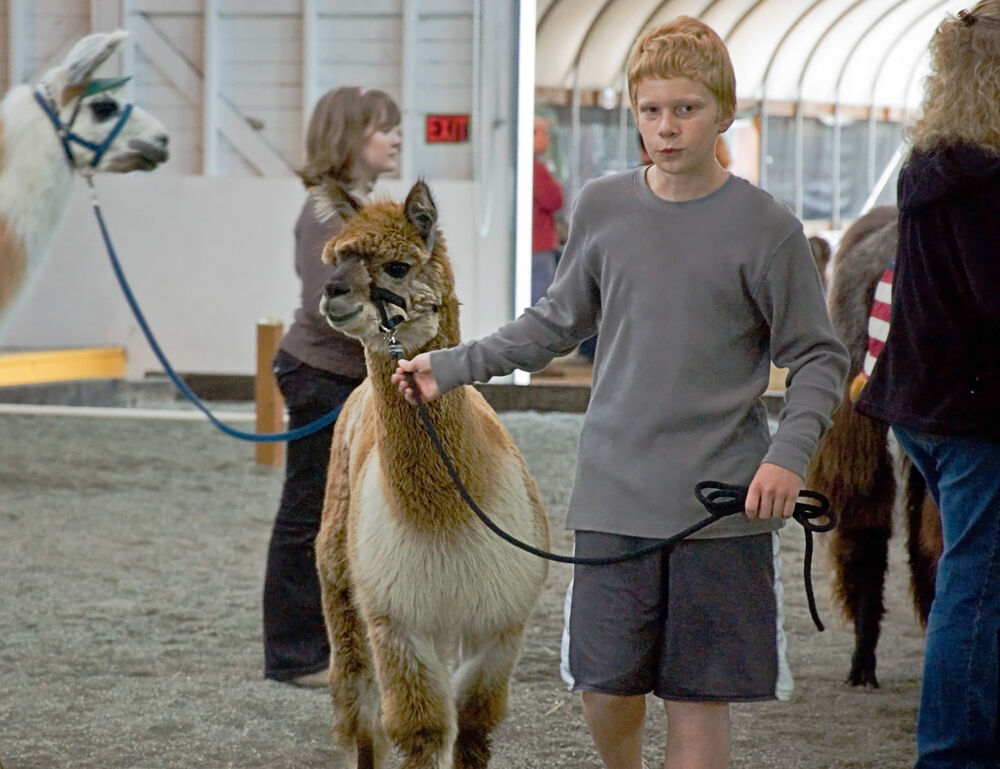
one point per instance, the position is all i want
(420, 367)
(773, 492)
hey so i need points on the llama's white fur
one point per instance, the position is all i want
(36, 182)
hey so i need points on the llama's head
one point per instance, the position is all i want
(92, 111)
(395, 253)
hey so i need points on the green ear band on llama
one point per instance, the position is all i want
(104, 84)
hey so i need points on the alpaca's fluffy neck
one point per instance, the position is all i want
(408, 456)
(35, 180)
(417, 475)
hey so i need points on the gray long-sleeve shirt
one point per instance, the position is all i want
(693, 300)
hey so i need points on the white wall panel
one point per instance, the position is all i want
(361, 47)
(260, 75)
(444, 78)
(206, 259)
(184, 31)
(179, 109)
(358, 7)
(5, 74)
(47, 34)
(232, 162)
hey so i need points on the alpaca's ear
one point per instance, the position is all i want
(421, 212)
(90, 53)
(821, 252)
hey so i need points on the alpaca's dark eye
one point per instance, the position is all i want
(396, 269)
(104, 109)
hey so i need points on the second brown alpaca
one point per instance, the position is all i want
(854, 467)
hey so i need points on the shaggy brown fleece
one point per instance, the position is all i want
(854, 468)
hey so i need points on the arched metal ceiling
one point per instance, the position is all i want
(867, 53)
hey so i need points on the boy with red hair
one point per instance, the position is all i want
(696, 280)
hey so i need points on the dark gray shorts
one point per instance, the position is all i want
(700, 622)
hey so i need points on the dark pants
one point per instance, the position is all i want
(295, 640)
(543, 269)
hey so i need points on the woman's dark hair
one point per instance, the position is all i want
(341, 121)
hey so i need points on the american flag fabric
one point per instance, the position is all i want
(878, 320)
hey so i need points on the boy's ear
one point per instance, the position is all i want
(727, 121)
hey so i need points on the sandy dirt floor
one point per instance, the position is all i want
(131, 563)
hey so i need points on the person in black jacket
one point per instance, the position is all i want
(353, 138)
(937, 381)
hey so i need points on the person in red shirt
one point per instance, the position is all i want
(548, 199)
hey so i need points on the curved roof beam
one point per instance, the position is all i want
(915, 69)
(613, 39)
(784, 38)
(586, 37)
(567, 24)
(918, 60)
(762, 98)
(819, 42)
(799, 117)
(838, 83)
(647, 21)
(745, 15)
(936, 7)
(835, 202)
(546, 10)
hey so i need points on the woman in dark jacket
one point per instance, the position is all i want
(937, 381)
(353, 138)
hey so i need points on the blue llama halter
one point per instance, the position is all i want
(65, 132)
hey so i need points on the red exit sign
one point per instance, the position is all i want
(447, 128)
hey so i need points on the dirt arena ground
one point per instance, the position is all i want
(131, 563)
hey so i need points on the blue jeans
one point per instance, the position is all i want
(958, 724)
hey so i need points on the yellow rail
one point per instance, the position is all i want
(37, 367)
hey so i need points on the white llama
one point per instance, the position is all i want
(101, 133)
(425, 607)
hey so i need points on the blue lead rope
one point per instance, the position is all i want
(291, 435)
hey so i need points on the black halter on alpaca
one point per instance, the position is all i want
(382, 296)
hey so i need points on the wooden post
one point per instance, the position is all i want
(270, 405)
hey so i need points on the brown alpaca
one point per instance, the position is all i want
(853, 466)
(425, 607)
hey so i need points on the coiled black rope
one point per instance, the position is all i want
(725, 499)
(719, 500)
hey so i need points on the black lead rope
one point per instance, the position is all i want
(719, 500)
(726, 499)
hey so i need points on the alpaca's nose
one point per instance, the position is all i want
(337, 285)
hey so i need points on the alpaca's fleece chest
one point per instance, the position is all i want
(434, 580)
(471, 579)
